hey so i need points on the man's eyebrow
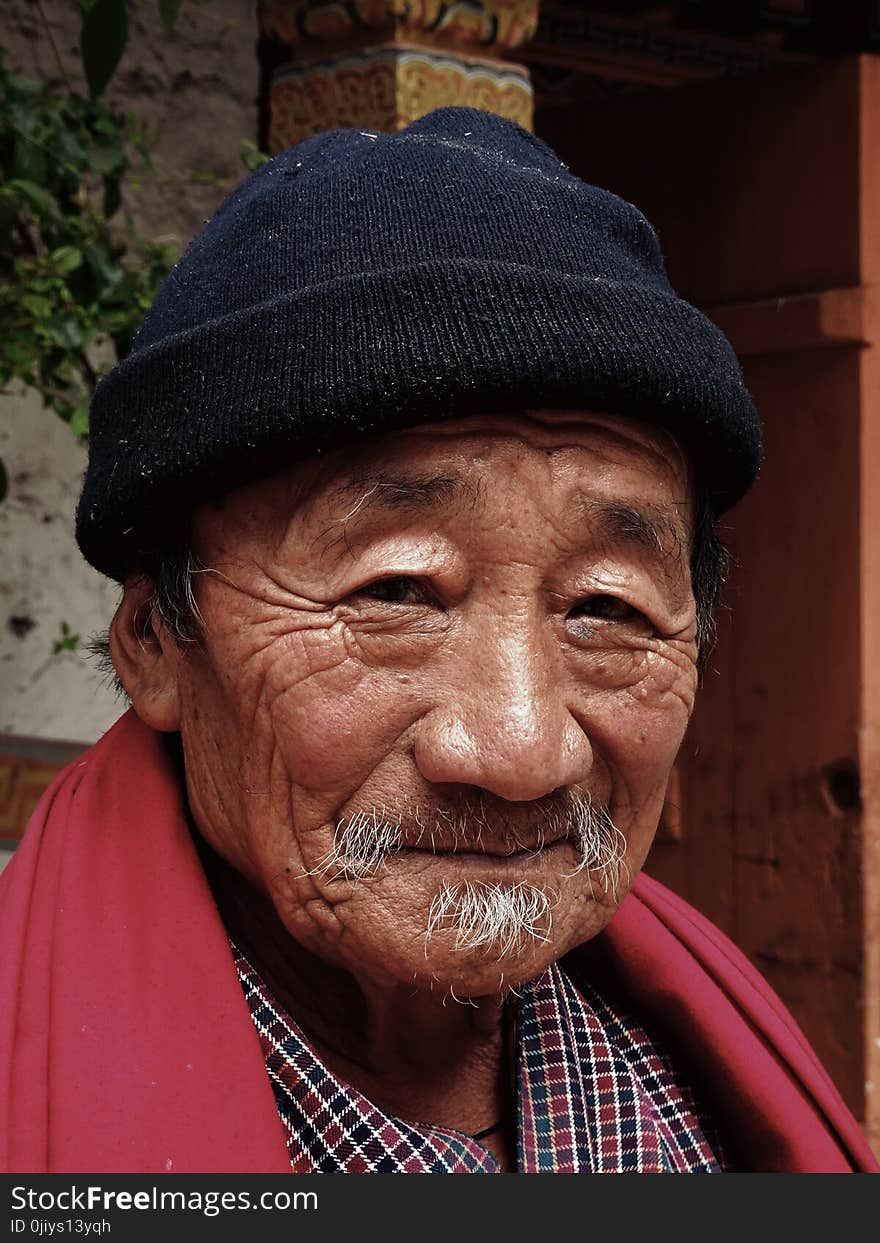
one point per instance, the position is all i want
(655, 529)
(402, 492)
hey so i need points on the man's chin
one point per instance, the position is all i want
(450, 966)
(466, 975)
(466, 929)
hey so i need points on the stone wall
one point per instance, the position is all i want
(197, 93)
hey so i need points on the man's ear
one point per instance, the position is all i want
(146, 658)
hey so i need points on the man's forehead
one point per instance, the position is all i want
(616, 479)
(403, 489)
(559, 429)
(659, 531)
(599, 467)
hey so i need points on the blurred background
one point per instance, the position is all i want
(748, 133)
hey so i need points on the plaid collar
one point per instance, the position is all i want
(594, 1094)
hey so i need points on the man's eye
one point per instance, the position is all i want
(606, 608)
(399, 590)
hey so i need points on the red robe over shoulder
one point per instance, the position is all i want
(126, 1045)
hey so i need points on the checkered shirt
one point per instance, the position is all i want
(595, 1094)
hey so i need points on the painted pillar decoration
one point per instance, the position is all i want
(380, 64)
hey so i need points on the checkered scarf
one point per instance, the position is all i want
(595, 1094)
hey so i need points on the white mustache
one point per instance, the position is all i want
(486, 916)
(366, 840)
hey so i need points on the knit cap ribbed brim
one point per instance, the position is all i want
(362, 282)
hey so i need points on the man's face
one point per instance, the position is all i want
(443, 682)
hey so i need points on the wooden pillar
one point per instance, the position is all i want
(869, 578)
(766, 195)
(381, 64)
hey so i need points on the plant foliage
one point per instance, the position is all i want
(102, 40)
(75, 276)
(67, 641)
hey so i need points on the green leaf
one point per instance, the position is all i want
(28, 162)
(106, 271)
(4, 479)
(65, 259)
(37, 306)
(251, 155)
(34, 196)
(112, 196)
(79, 421)
(17, 356)
(107, 154)
(67, 642)
(66, 332)
(103, 38)
(169, 11)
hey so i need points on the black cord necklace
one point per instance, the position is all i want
(506, 1074)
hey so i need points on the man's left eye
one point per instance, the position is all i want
(397, 590)
(606, 608)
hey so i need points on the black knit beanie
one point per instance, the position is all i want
(361, 282)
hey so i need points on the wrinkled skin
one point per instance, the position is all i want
(524, 641)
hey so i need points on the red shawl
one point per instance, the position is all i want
(126, 1045)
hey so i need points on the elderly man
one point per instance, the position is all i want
(411, 482)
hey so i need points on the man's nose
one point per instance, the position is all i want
(505, 725)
